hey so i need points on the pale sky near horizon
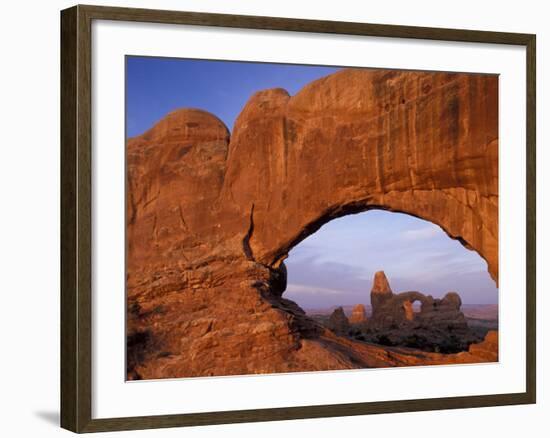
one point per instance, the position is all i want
(335, 265)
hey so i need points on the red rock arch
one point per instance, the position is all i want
(211, 216)
(420, 143)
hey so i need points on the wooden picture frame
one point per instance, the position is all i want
(76, 171)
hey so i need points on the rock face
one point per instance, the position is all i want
(488, 349)
(338, 322)
(358, 314)
(439, 325)
(413, 142)
(380, 293)
(210, 218)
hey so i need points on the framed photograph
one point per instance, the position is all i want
(269, 218)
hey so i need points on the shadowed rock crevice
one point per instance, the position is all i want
(246, 240)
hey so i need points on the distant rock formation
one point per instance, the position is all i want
(439, 325)
(338, 322)
(358, 314)
(380, 293)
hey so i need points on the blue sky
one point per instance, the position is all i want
(156, 86)
(335, 265)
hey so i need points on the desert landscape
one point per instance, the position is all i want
(435, 325)
(212, 215)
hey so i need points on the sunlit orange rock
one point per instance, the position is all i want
(380, 293)
(358, 314)
(211, 218)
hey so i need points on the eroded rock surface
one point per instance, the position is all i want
(211, 218)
